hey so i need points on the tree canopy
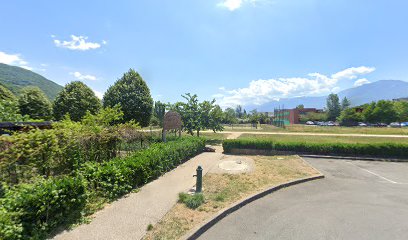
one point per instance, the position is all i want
(75, 99)
(198, 116)
(133, 95)
(345, 103)
(159, 111)
(333, 107)
(34, 103)
(6, 94)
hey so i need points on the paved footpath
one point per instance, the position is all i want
(128, 217)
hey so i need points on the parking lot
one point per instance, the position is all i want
(356, 200)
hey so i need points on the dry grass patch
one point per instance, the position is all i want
(222, 190)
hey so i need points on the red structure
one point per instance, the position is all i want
(292, 116)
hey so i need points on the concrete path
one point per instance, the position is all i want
(357, 200)
(313, 134)
(128, 217)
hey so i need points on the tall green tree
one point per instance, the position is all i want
(402, 110)
(345, 103)
(384, 111)
(198, 116)
(333, 107)
(229, 116)
(34, 103)
(75, 99)
(300, 106)
(368, 115)
(133, 94)
(238, 111)
(216, 116)
(6, 94)
(159, 111)
(350, 117)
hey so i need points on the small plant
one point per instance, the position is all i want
(220, 197)
(150, 227)
(183, 197)
(191, 201)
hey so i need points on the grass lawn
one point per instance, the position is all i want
(221, 190)
(323, 129)
(325, 139)
(211, 137)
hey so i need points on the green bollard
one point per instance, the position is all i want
(199, 184)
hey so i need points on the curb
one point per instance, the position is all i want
(198, 231)
(355, 158)
(250, 151)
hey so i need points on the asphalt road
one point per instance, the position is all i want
(356, 200)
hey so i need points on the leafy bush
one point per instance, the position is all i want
(351, 149)
(120, 175)
(192, 201)
(29, 211)
(61, 150)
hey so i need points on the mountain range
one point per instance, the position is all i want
(15, 78)
(383, 89)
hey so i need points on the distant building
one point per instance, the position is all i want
(292, 116)
(269, 114)
(400, 99)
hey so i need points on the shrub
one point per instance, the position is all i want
(33, 210)
(192, 201)
(120, 175)
(351, 149)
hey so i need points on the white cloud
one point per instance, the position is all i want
(98, 94)
(351, 73)
(11, 59)
(81, 76)
(77, 43)
(14, 59)
(265, 90)
(27, 67)
(231, 5)
(360, 82)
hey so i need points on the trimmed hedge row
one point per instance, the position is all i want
(351, 149)
(32, 210)
(120, 175)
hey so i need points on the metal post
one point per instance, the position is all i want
(199, 175)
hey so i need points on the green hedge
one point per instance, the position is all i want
(32, 210)
(120, 175)
(349, 149)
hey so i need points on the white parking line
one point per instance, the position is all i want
(378, 175)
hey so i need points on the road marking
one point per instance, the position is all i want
(376, 174)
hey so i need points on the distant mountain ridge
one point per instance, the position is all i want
(15, 78)
(383, 89)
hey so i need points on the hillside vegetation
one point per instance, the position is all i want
(15, 78)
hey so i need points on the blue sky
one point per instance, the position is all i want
(238, 51)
